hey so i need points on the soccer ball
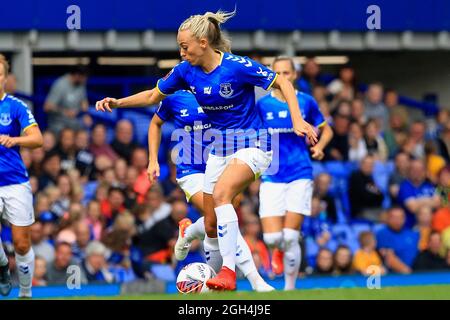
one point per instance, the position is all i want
(192, 278)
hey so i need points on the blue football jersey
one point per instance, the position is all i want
(293, 156)
(191, 121)
(15, 117)
(227, 96)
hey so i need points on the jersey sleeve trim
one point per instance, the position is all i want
(273, 81)
(322, 124)
(159, 90)
(31, 125)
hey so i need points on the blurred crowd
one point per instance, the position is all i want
(380, 200)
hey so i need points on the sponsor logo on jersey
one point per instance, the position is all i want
(5, 119)
(184, 113)
(261, 72)
(225, 90)
(282, 114)
(207, 90)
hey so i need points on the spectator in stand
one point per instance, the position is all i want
(157, 243)
(396, 134)
(338, 148)
(99, 146)
(376, 147)
(317, 226)
(434, 162)
(374, 107)
(57, 270)
(159, 207)
(441, 218)
(66, 148)
(120, 173)
(130, 184)
(367, 257)
(84, 159)
(343, 87)
(397, 244)
(400, 174)
(343, 261)
(358, 114)
(391, 102)
(309, 76)
(94, 219)
(365, 197)
(37, 158)
(68, 224)
(324, 262)
(170, 183)
(114, 204)
(423, 226)
(49, 140)
(416, 192)
(40, 272)
(444, 141)
(123, 143)
(51, 170)
(41, 245)
(357, 145)
(322, 184)
(62, 203)
(95, 266)
(67, 99)
(139, 160)
(430, 259)
(415, 144)
(83, 238)
(260, 253)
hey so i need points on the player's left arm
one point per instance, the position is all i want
(326, 134)
(30, 138)
(300, 126)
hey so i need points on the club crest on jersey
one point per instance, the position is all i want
(5, 119)
(225, 90)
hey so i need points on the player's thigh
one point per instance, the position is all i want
(18, 204)
(272, 199)
(236, 176)
(243, 167)
(293, 220)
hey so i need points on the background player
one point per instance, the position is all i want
(223, 85)
(18, 128)
(286, 196)
(182, 108)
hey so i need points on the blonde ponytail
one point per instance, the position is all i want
(208, 26)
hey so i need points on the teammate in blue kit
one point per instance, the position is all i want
(18, 128)
(223, 85)
(191, 124)
(286, 196)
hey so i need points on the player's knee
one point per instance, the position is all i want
(273, 239)
(221, 195)
(290, 237)
(22, 246)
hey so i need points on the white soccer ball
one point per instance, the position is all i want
(192, 278)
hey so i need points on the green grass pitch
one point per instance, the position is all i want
(431, 292)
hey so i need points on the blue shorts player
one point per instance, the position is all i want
(286, 196)
(18, 128)
(191, 125)
(223, 85)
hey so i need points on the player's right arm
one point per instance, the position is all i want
(154, 141)
(172, 82)
(141, 99)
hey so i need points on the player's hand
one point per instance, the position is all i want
(106, 104)
(8, 141)
(303, 128)
(153, 171)
(317, 152)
